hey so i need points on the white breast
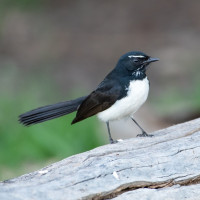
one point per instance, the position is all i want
(137, 94)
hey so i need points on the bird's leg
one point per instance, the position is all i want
(144, 133)
(109, 134)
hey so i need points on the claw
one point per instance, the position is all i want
(113, 141)
(144, 134)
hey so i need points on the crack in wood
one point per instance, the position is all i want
(126, 188)
(164, 141)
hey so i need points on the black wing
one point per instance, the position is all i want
(99, 100)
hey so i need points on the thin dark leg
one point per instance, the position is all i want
(109, 134)
(144, 133)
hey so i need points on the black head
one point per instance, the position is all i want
(134, 63)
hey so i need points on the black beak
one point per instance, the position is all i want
(150, 60)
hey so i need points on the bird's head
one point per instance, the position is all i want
(134, 63)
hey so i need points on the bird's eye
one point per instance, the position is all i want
(135, 60)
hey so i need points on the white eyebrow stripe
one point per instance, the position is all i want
(134, 56)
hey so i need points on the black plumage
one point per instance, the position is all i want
(53, 111)
(131, 68)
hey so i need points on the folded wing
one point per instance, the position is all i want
(99, 100)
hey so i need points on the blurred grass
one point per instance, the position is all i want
(22, 4)
(23, 149)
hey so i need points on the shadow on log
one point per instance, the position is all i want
(166, 166)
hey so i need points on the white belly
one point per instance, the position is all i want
(127, 106)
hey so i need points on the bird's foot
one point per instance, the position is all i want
(113, 141)
(144, 134)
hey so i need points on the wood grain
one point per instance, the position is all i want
(166, 166)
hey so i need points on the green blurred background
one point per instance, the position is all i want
(51, 51)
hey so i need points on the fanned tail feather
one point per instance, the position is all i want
(49, 112)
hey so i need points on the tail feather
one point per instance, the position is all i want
(49, 112)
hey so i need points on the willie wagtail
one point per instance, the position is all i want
(118, 96)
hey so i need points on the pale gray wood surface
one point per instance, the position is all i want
(166, 166)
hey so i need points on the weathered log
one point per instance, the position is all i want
(166, 166)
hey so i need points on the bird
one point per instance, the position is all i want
(121, 93)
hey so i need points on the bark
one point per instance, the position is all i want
(164, 166)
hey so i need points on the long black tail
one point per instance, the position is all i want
(45, 113)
